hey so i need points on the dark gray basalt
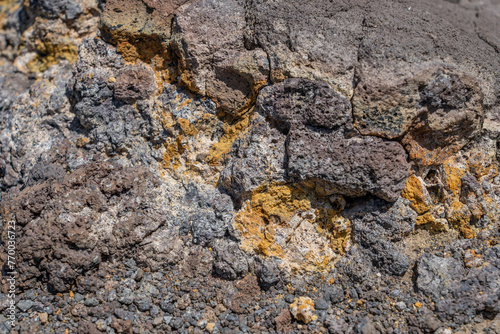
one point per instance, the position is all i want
(380, 228)
(321, 146)
(461, 294)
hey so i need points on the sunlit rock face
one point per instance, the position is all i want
(221, 166)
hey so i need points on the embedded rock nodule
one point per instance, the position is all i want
(322, 148)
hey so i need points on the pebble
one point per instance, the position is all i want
(167, 319)
(202, 323)
(157, 321)
(25, 305)
(44, 317)
(321, 304)
(79, 297)
(91, 302)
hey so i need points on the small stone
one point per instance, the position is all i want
(157, 321)
(44, 317)
(321, 304)
(139, 275)
(91, 302)
(177, 323)
(302, 309)
(25, 305)
(289, 298)
(418, 304)
(400, 306)
(143, 305)
(101, 325)
(210, 327)
(127, 297)
(202, 323)
(283, 321)
(79, 297)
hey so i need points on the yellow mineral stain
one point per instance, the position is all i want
(453, 173)
(424, 219)
(468, 232)
(273, 206)
(480, 164)
(414, 192)
(174, 149)
(49, 54)
(458, 214)
(232, 128)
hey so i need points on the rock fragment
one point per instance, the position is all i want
(302, 309)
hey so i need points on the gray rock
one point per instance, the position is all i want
(459, 295)
(377, 226)
(256, 158)
(322, 148)
(335, 294)
(24, 305)
(438, 276)
(336, 326)
(143, 305)
(400, 306)
(321, 304)
(320, 143)
(365, 327)
(230, 262)
(53, 9)
(425, 321)
(207, 213)
(91, 302)
(267, 272)
(126, 296)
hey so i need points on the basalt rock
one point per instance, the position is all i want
(250, 166)
(460, 294)
(98, 210)
(322, 149)
(377, 228)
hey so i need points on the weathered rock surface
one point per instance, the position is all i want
(93, 212)
(377, 228)
(460, 294)
(223, 166)
(321, 146)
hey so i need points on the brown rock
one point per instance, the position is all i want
(73, 213)
(136, 17)
(44, 317)
(134, 83)
(209, 37)
(122, 326)
(284, 321)
(322, 147)
(86, 327)
(244, 292)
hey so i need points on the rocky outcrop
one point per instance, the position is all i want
(321, 147)
(249, 166)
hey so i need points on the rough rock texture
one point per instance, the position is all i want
(321, 145)
(227, 166)
(378, 227)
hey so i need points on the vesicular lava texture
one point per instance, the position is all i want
(251, 166)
